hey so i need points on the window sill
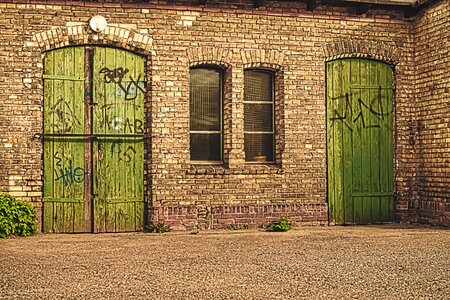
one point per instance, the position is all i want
(207, 163)
(262, 168)
(209, 168)
(223, 169)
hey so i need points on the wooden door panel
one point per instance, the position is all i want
(359, 141)
(64, 169)
(119, 169)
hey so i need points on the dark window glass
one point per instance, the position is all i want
(206, 114)
(259, 116)
(258, 86)
(205, 147)
(259, 147)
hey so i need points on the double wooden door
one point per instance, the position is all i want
(359, 141)
(93, 140)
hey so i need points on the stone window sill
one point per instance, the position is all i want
(246, 169)
(206, 169)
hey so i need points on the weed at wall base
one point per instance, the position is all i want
(16, 217)
(279, 226)
(158, 228)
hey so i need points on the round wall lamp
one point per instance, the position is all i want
(98, 23)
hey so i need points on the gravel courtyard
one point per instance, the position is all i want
(370, 262)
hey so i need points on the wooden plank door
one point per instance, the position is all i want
(359, 141)
(93, 140)
(118, 115)
(64, 164)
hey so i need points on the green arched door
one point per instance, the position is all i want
(93, 140)
(359, 141)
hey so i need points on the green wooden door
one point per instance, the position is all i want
(359, 141)
(93, 140)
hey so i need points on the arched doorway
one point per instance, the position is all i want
(360, 141)
(93, 140)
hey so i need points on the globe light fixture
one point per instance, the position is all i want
(98, 23)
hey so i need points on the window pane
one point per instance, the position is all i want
(205, 146)
(205, 99)
(258, 86)
(258, 117)
(259, 147)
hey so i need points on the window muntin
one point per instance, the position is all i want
(259, 129)
(206, 129)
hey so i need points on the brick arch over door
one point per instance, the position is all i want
(82, 35)
(362, 49)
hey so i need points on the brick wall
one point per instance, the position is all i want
(432, 121)
(283, 36)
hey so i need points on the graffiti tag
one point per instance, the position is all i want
(117, 123)
(123, 155)
(65, 117)
(68, 174)
(374, 109)
(130, 89)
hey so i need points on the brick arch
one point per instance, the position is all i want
(361, 49)
(81, 35)
(209, 55)
(262, 58)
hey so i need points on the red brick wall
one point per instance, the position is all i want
(432, 120)
(283, 36)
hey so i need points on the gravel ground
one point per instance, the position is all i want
(370, 262)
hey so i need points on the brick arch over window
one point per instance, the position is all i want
(83, 35)
(263, 58)
(219, 57)
(361, 49)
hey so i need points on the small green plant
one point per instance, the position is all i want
(16, 217)
(159, 227)
(278, 226)
(238, 227)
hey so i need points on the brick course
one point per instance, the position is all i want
(282, 36)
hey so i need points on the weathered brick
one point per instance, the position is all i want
(283, 37)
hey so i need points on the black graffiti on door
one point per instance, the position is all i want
(117, 75)
(128, 125)
(374, 108)
(65, 118)
(117, 147)
(68, 173)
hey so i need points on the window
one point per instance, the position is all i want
(206, 93)
(259, 116)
